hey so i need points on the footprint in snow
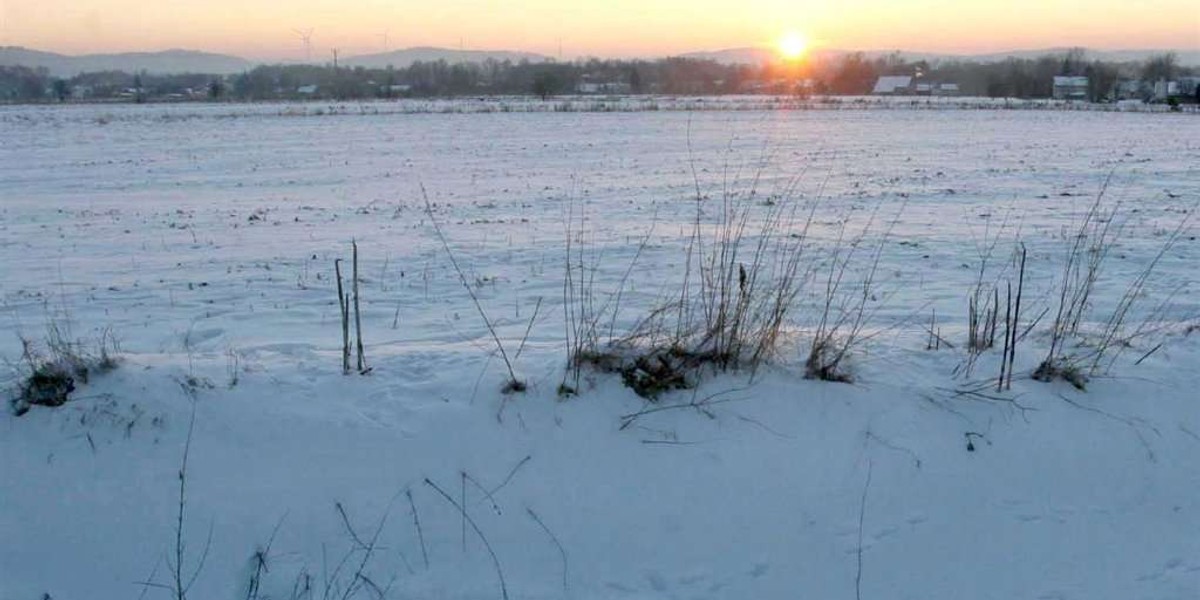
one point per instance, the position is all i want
(671, 524)
(391, 392)
(617, 587)
(885, 533)
(847, 532)
(656, 581)
(199, 336)
(1171, 566)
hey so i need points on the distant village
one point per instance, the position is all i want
(1069, 76)
(1063, 87)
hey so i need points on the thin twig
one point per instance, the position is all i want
(1132, 423)
(886, 444)
(628, 419)
(483, 538)
(462, 498)
(368, 550)
(148, 583)
(177, 568)
(525, 337)
(561, 551)
(862, 511)
(346, 523)
(260, 563)
(486, 495)
(511, 474)
(467, 286)
(417, 523)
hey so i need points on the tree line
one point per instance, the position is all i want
(849, 74)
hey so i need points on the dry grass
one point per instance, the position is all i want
(1075, 355)
(845, 311)
(744, 267)
(587, 336)
(50, 371)
(1089, 245)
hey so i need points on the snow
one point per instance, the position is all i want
(203, 238)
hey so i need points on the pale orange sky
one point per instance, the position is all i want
(263, 29)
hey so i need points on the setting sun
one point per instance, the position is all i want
(792, 45)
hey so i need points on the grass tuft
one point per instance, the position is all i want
(52, 372)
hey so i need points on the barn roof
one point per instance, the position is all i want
(889, 84)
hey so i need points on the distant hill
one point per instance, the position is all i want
(191, 61)
(404, 58)
(1185, 57)
(167, 61)
(736, 56)
(762, 55)
(756, 56)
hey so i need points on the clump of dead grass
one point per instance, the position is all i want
(50, 371)
(745, 263)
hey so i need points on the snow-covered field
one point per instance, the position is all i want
(203, 238)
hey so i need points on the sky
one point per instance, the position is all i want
(265, 29)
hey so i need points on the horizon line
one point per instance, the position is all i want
(644, 56)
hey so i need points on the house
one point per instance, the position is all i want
(603, 87)
(592, 83)
(901, 85)
(1070, 88)
(1189, 87)
(893, 85)
(1157, 91)
(1164, 89)
(946, 89)
(307, 90)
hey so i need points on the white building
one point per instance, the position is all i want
(947, 89)
(1070, 88)
(603, 87)
(1165, 89)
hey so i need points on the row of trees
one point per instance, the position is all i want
(24, 84)
(848, 74)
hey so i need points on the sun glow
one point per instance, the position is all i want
(792, 45)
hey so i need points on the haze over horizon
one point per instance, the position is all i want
(267, 29)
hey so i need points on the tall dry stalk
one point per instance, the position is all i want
(513, 384)
(344, 308)
(362, 363)
(844, 313)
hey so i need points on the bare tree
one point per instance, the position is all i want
(1160, 67)
(1074, 61)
